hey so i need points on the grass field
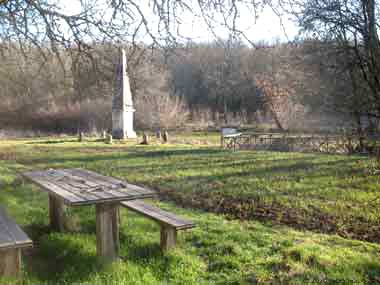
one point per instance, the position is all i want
(277, 198)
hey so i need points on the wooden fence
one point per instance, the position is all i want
(342, 144)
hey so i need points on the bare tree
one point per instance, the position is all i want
(352, 26)
(157, 106)
(48, 23)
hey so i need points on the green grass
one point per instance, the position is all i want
(332, 193)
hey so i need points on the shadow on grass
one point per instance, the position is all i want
(118, 154)
(241, 171)
(52, 141)
(58, 257)
(141, 252)
(200, 164)
(35, 231)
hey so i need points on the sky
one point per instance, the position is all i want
(268, 27)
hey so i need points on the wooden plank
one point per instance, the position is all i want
(84, 197)
(83, 188)
(143, 190)
(158, 215)
(118, 182)
(168, 237)
(6, 240)
(110, 188)
(57, 213)
(107, 230)
(75, 194)
(164, 215)
(170, 218)
(11, 235)
(111, 181)
(10, 263)
(38, 178)
(92, 198)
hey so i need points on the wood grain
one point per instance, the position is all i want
(107, 230)
(168, 237)
(82, 187)
(12, 239)
(161, 216)
(10, 263)
(11, 235)
(57, 213)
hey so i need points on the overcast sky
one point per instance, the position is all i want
(268, 27)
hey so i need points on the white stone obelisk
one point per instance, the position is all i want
(122, 105)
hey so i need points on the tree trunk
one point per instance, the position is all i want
(276, 120)
(225, 110)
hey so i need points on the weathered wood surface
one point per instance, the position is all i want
(57, 213)
(163, 217)
(170, 223)
(12, 239)
(107, 230)
(10, 263)
(168, 237)
(84, 187)
(11, 235)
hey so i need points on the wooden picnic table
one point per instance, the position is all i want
(76, 187)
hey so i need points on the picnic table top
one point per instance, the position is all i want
(84, 187)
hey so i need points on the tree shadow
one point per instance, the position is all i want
(139, 252)
(62, 141)
(118, 154)
(56, 257)
(300, 165)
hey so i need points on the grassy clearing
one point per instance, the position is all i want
(324, 193)
(273, 186)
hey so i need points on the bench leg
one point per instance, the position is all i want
(10, 263)
(107, 230)
(168, 237)
(57, 212)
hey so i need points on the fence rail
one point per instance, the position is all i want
(342, 144)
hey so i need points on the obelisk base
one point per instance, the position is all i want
(122, 124)
(128, 123)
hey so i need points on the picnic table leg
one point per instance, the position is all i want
(10, 263)
(57, 211)
(107, 230)
(168, 237)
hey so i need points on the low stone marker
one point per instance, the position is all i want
(81, 137)
(165, 137)
(145, 140)
(158, 134)
(109, 139)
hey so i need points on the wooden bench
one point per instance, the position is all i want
(169, 222)
(229, 137)
(12, 240)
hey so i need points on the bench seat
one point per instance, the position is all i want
(232, 135)
(170, 223)
(12, 240)
(229, 137)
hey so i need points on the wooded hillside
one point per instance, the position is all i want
(282, 86)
